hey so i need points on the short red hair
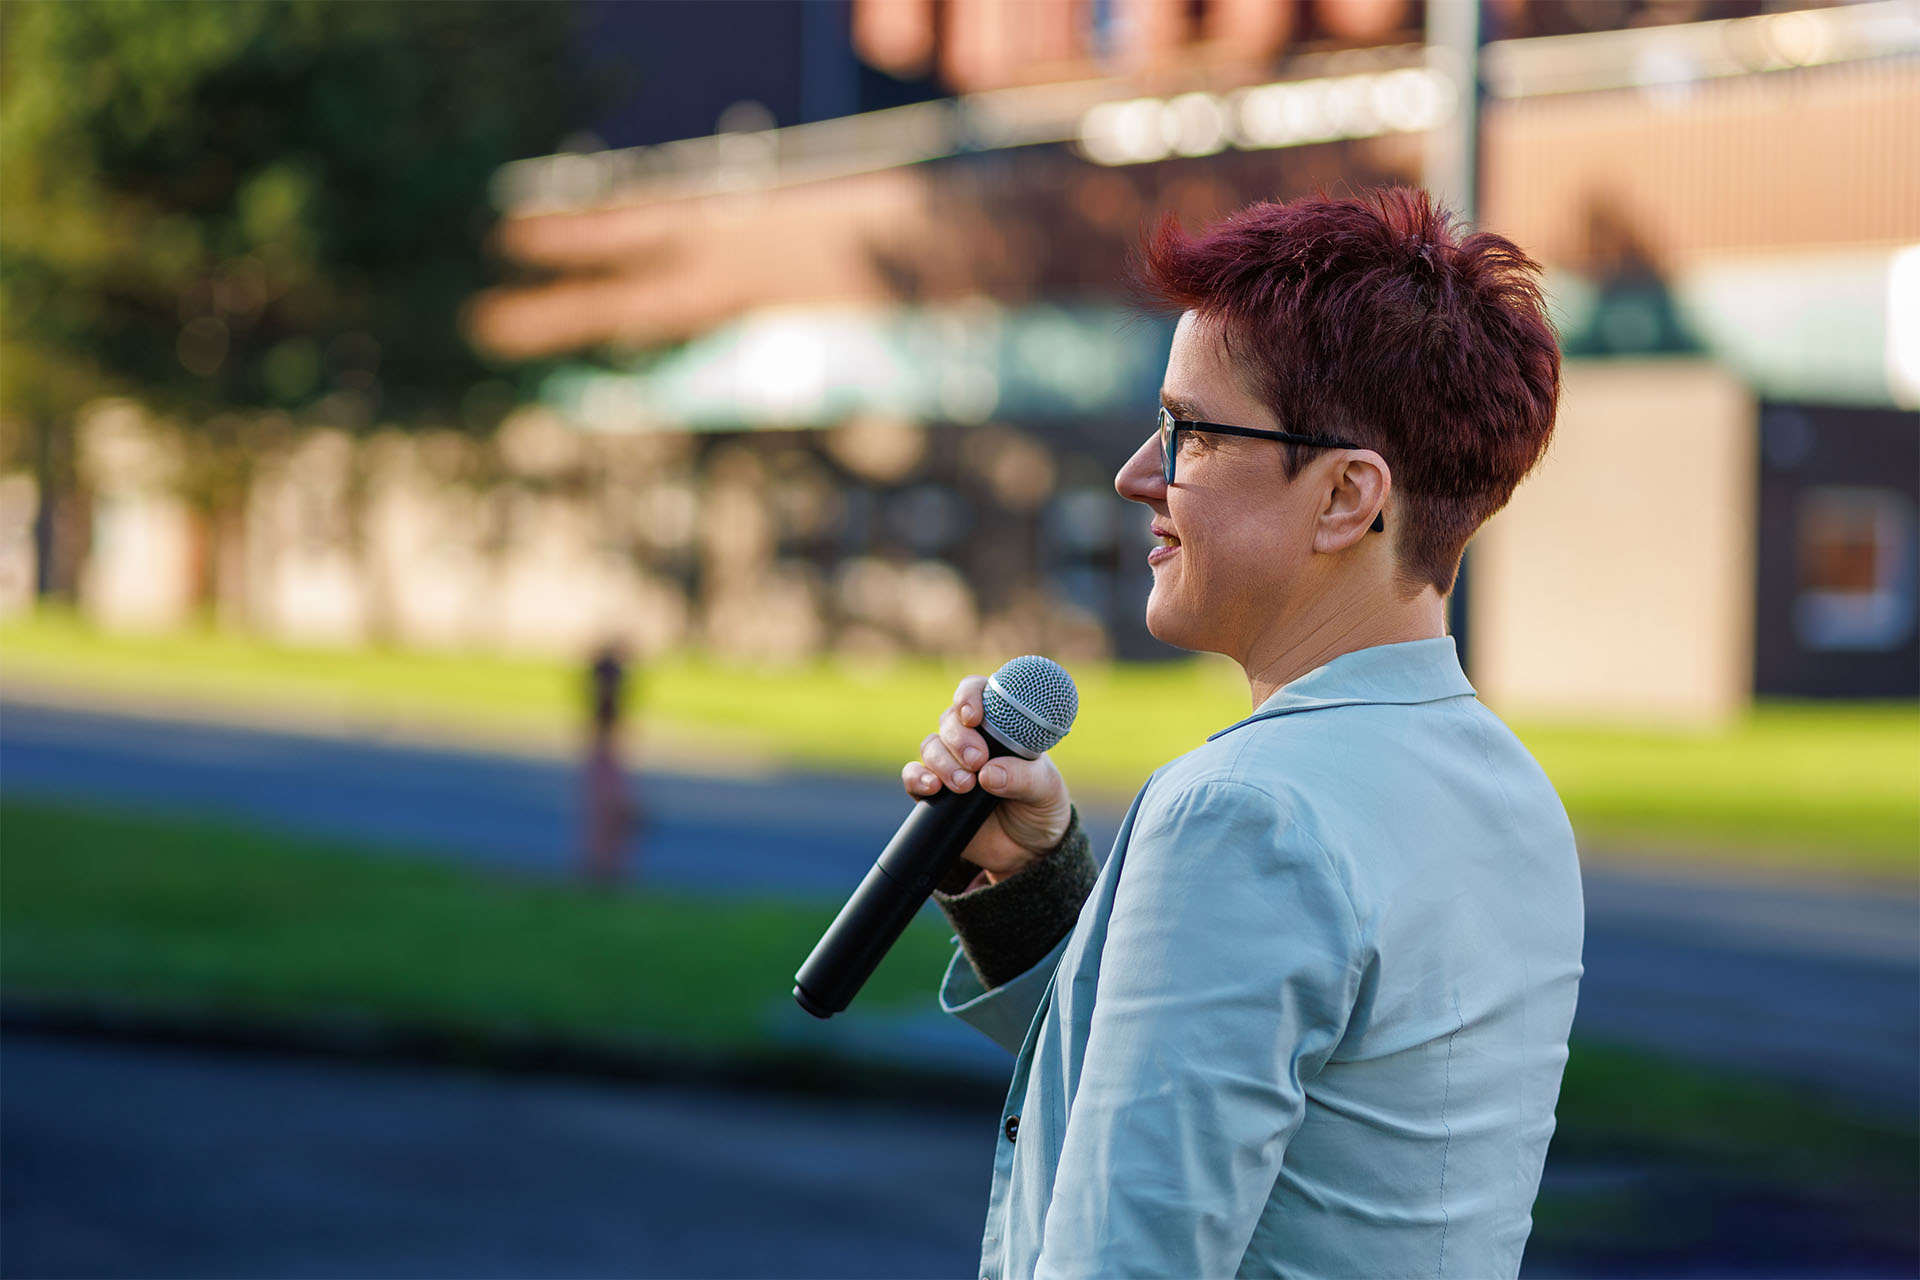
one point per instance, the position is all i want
(1373, 320)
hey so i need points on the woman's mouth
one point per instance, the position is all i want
(1168, 545)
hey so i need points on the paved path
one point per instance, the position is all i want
(1813, 983)
(812, 835)
(152, 1163)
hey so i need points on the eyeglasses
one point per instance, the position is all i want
(1171, 427)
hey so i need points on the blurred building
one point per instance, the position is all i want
(1725, 196)
(1731, 210)
(849, 365)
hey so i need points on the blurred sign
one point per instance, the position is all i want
(1856, 571)
(1838, 582)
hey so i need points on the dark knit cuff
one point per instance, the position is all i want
(1007, 928)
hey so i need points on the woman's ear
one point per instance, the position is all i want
(1357, 490)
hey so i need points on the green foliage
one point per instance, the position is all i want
(237, 205)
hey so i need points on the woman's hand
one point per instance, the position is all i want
(1034, 809)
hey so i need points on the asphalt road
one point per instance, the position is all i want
(146, 1162)
(1812, 983)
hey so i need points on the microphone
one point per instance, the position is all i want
(1029, 706)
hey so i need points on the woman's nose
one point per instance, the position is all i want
(1143, 477)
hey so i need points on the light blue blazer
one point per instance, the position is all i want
(1313, 1016)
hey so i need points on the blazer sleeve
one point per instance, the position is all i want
(1011, 936)
(1231, 963)
(1004, 1013)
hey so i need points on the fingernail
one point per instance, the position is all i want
(971, 755)
(994, 776)
(961, 778)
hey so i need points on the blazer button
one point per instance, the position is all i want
(1013, 1128)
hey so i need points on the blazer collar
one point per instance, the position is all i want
(1416, 671)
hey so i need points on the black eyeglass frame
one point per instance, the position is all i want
(1171, 427)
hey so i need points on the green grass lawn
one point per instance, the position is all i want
(166, 913)
(1816, 785)
(1823, 786)
(1665, 1163)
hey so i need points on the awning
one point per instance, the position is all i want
(813, 367)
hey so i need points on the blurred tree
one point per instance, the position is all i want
(227, 207)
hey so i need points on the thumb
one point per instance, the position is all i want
(1012, 778)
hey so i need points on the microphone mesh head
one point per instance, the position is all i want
(1031, 703)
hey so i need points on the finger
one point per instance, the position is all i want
(918, 779)
(969, 700)
(966, 745)
(1012, 778)
(935, 756)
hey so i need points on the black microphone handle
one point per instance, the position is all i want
(918, 857)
